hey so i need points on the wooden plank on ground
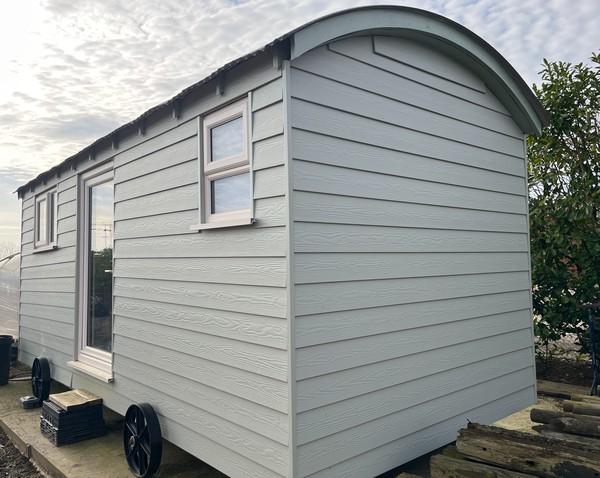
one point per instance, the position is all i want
(585, 398)
(529, 453)
(548, 430)
(578, 426)
(540, 415)
(560, 390)
(75, 399)
(447, 467)
(581, 408)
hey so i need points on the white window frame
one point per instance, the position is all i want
(46, 240)
(224, 168)
(93, 357)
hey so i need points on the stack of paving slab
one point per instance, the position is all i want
(72, 416)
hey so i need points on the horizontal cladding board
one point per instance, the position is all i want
(236, 242)
(51, 284)
(267, 122)
(361, 49)
(50, 341)
(268, 153)
(266, 361)
(315, 268)
(175, 176)
(391, 185)
(312, 237)
(267, 95)
(66, 195)
(248, 443)
(347, 70)
(224, 459)
(56, 256)
(169, 136)
(154, 226)
(260, 300)
(329, 297)
(67, 209)
(27, 237)
(268, 271)
(270, 212)
(363, 103)
(56, 299)
(172, 200)
(27, 225)
(270, 182)
(331, 209)
(67, 224)
(159, 160)
(348, 324)
(394, 453)
(320, 119)
(29, 351)
(321, 422)
(66, 239)
(341, 446)
(325, 389)
(345, 354)
(316, 148)
(263, 390)
(48, 312)
(269, 423)
(425, 58)
(243, 327)
(48, 325)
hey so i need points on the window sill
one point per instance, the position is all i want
(78, 366)
(221, 224)
(50, 247)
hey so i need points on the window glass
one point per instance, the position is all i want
(42, 217)
(227, 139)
(99, 326)
(230, 194)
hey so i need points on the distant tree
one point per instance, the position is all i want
(7, 248)
(564, 192)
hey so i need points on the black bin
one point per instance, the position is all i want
(5, 351)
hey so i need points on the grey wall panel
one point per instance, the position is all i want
(411, 269)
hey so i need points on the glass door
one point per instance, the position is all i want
(96, 272)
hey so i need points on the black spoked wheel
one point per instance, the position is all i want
(40, 378)
(142, 439)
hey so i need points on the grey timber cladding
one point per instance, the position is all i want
(411, 263)
(200, 326)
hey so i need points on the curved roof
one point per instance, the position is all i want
(439, 32)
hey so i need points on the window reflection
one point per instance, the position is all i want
(231, 194)
(227, 139)
(99, 327)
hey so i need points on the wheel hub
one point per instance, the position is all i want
(131, 442)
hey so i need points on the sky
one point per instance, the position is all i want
(72, 71)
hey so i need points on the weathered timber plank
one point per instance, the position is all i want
(548, 431)
(577, 426)
(560, 390)
(446, 467)
(540, 415)
(528, 453)
(577, 397)
(581, 408)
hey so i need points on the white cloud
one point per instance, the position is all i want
(73, 71)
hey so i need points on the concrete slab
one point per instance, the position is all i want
(102, 456)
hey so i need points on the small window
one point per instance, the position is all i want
(46, 205)
(226, 176)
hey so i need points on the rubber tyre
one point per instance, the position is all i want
(142, 440)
